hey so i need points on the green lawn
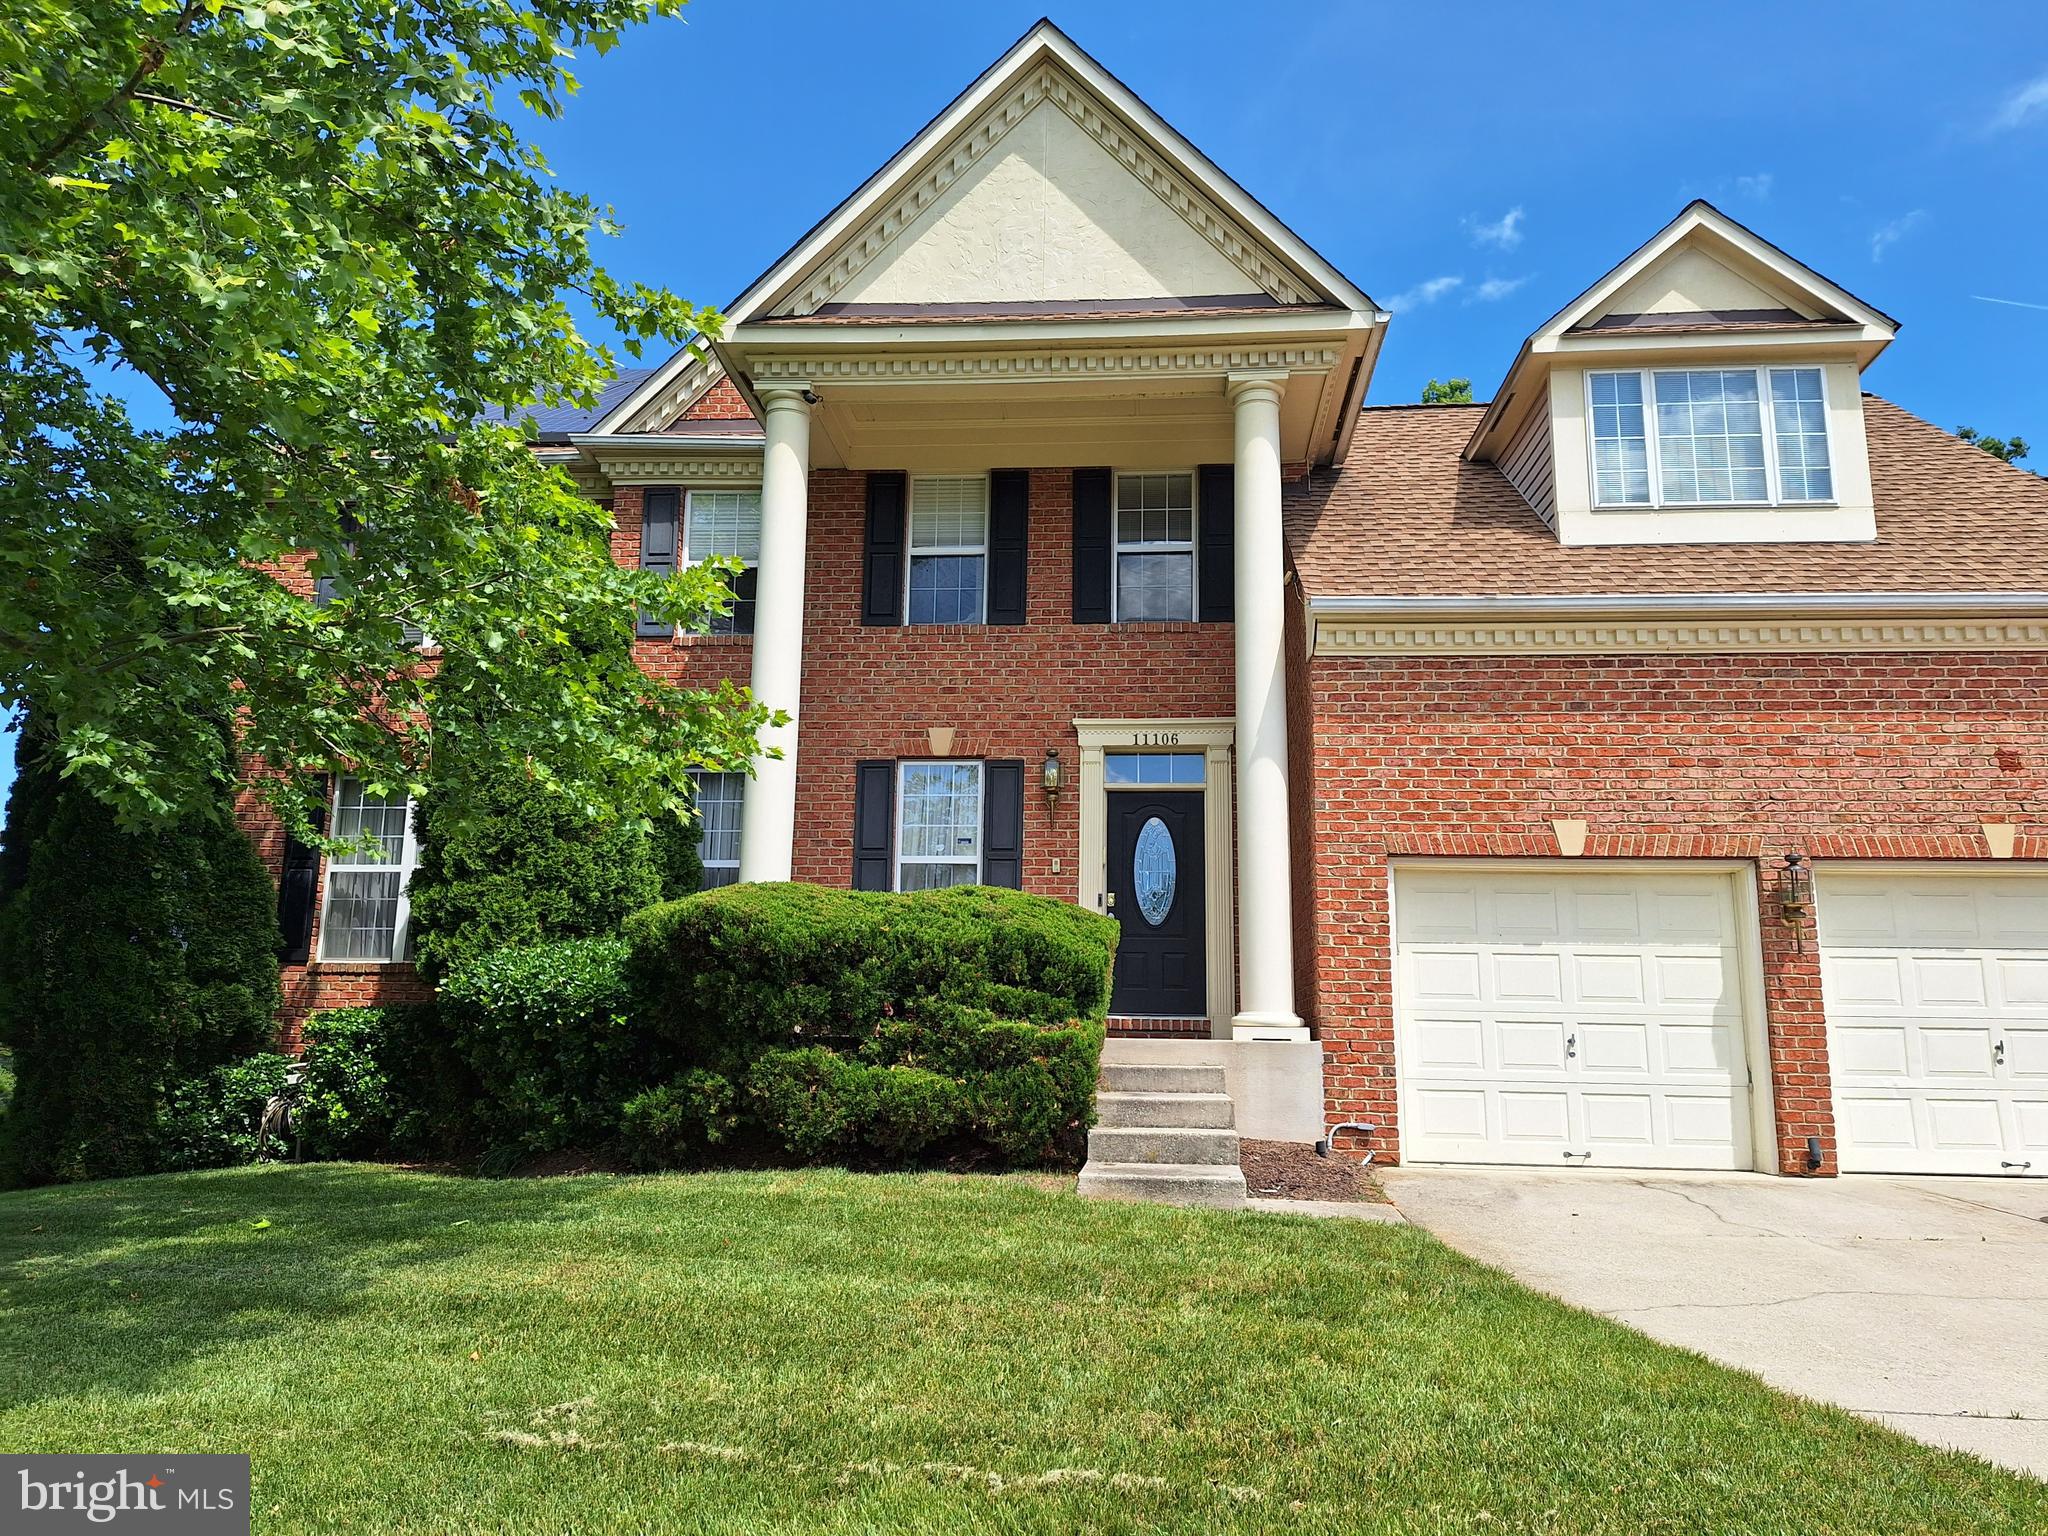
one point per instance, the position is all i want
(832, 1352)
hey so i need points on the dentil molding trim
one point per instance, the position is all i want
(920, 368)
(1562, 637)
(1051, 83)
(644, 468)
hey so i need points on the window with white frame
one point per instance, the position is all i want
(1709, 437)
(364, 914)
(938, 825)
(1155, 546)
(948, 550)
(728, 524)
(719, 796)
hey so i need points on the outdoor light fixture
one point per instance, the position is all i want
(1049, 777)
(1795, 889)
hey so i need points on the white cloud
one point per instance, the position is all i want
(1495, 288)
(1757, 186)
(1423, 293)
(2021, 106)
(1503, 234)
(1883, 239)
(1985, 298)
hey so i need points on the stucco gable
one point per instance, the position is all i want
(1691, 280)
(1046, 212)
(1047, 179)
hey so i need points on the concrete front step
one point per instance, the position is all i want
(1212, 1184)
(1160, 1144)
(1150, 1077)
(1187, 1111)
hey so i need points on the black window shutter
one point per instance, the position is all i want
(1009, 540)
(1216, 505)
(1002, 825)
(874, 826)
(298, 891)
(1091, 546)
(660, 519)
(882, 570)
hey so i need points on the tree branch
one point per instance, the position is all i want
(183, 106)
(154, 51)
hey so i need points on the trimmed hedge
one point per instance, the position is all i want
(551, 1035)
(383, 1082)
(378, 1082)
(826, 1024)
(213, 1121)
(752, 967)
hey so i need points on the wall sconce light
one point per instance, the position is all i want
(1049, 777)
(1795, 889)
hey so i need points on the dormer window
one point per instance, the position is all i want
(1705, 437)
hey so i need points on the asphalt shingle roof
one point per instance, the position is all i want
(554, 423)
(1407, 517)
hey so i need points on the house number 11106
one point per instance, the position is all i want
(1155, 738)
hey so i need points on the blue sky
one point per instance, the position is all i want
(1472, 173)
(1470, 168)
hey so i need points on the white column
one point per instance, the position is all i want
(1265, 901)
(768, 810)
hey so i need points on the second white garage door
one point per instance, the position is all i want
(1570, 1018)
(1937, 998)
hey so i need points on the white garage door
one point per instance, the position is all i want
(1566, 1019)
(1937, 999)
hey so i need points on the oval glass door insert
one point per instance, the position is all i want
(1155, 871)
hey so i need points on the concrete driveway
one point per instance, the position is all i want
(1919, 1302)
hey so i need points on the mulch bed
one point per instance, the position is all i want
(1290, 1170)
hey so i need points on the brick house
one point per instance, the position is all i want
(1644, 769)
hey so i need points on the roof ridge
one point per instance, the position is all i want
(1427, 405)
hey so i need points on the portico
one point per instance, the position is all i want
(1049, 288)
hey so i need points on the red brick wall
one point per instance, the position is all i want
(1865, 756)
(721, 402)
(1005, 691)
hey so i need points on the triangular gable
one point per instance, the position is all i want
(973, 145)
(670, 392)
(1044, 212)
(1108, 173)
(1704, 263)
(1702, 272)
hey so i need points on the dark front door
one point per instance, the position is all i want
(1156, 890)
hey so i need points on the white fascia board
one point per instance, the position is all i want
(1664, 605)
(697, 349)
(598, 442)
(1606, 342)
(1703, 215)
(1353, 405)
(1035, 335)
(1042, 41)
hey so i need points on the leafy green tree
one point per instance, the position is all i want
(502, 860)
(312, 228)
(131, 962)
(1452, 392)
(2010, 449)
